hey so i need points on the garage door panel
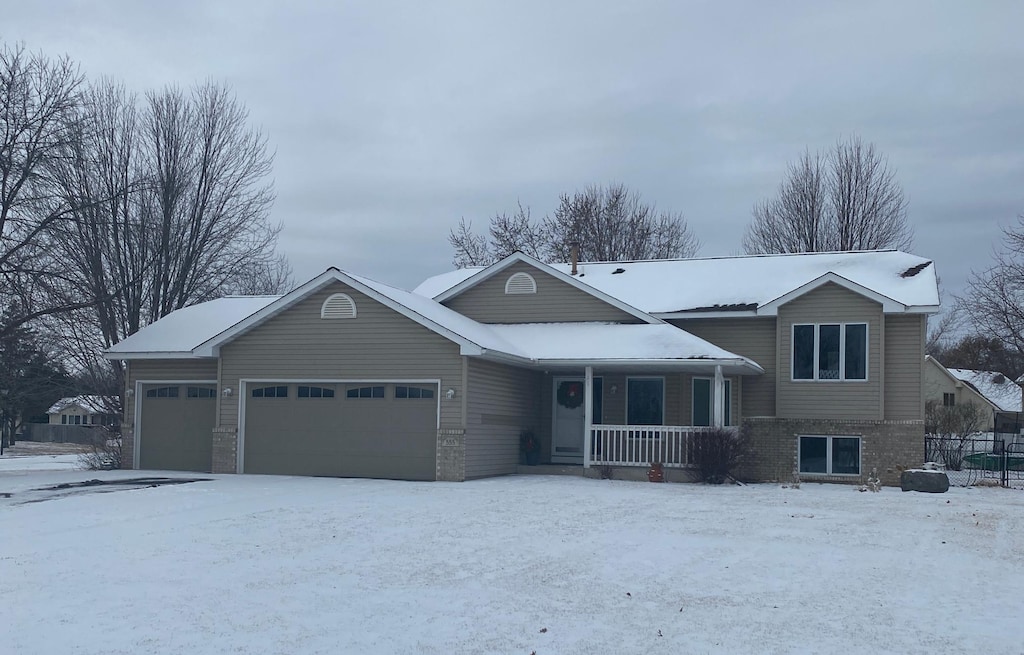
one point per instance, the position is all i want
(342, 436)
(176, 427)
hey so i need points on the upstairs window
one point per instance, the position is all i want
(520, 283)
(948, 400)
(338, 305)
(830, 351)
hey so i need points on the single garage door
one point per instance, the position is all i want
(176, 430)
(367, 430)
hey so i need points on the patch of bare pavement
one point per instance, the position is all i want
(67, 489)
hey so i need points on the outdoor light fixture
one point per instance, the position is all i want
(614, 388)
(128, 393)
(450, 394)
(226, 392)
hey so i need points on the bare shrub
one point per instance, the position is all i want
(104, 452)
(716, 453)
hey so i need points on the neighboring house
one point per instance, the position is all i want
(83, 410)
(820, 355)
(991, 390)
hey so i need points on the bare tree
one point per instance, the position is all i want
(606, 223)
(844, 199)
(994, 301)
(38, 100)
(953, 430)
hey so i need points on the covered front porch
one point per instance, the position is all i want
(635, 416)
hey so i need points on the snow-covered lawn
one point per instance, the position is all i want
(261, 564)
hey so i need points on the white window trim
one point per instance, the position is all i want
(727, 405)
(828, 454)
(663, 391)
(509, 290)
(842, 352)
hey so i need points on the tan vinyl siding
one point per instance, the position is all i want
(502, 401)
(554, 302)
(165, 369)
(751, 337)
(904, 366)
(830, 303)
(380, 344)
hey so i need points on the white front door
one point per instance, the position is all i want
(568, 418)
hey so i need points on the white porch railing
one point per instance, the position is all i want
(641, 445)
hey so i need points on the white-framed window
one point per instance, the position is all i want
(829, 455)
(338, 305)
(645, 401)
(63, 419)
(703, 397)
(520, 283)
(830, 351)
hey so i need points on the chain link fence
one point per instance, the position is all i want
(978, 460)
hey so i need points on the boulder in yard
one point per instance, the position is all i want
(928, 481)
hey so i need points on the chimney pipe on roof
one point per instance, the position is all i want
(575, 257)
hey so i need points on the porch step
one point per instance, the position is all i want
(551, 469)
(636, 473)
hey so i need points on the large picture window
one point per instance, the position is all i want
(645, 401)
(830, 455)
(830, 351)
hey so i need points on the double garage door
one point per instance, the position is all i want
(365, 430)
(371, 430)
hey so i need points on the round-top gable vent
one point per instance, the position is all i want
(338, 305)
(519, 283)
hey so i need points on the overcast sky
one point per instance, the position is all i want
(391, 121)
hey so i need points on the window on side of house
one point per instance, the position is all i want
(829, 455)
(306, 391)
(365, 392)
(63, 419)
(948, 399)
(402, 391)
(645, 401)
(830, 351)
(703, 401)
(277, 391)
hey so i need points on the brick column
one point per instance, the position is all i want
(451, 455)
(225, 450)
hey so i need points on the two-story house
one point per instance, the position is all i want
(819, 355)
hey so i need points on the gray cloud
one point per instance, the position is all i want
(393, 120)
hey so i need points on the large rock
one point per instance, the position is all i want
(933, 482)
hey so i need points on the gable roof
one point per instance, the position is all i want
(91, 404)
(201, 330)
(478, 275)
(995, 387)
(753, 285)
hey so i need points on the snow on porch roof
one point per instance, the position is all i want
(744, 283)
(617, 343)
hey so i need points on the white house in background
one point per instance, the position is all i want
(956, 386)
(84, 410)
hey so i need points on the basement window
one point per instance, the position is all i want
(338, 305)
(830, 455)
(520, 283)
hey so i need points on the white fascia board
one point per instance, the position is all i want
(889, 306)
(922, 309)
(497, 267)
(683, 364)
(211, 348)
(124, 356)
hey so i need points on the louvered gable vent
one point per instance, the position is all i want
(338, 305)
(520, 283)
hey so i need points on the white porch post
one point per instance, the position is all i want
(588, 409)
(719, 397)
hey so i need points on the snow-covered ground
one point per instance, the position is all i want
(261, 564)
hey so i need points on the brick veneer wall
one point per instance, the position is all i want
(225, 450)
(451, 455)
(127, 447)
(886, 446)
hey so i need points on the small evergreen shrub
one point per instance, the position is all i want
(717, 453)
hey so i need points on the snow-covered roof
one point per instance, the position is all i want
(178, 333)
(750, 284)
(1000, 390)
(200, 330)
(610, 343)
(91, 404)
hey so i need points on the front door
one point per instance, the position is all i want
(569, 418)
